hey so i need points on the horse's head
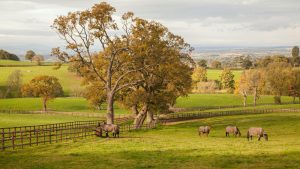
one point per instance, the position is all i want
(265, 136)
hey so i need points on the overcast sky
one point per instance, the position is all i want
(25, 24)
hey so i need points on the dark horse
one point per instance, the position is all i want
(115, 129)
(257, 131)
(232, 129)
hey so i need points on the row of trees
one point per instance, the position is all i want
(141, 65)
(202, 85)
(33, 57)
(8, 56)
(277, 78)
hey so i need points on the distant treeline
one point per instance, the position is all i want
(8, 56)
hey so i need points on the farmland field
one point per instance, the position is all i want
(175, 146)
(14, 120)
(71, 104)
(214, 74)
(67, 79)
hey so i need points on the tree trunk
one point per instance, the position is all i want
(134, 110)
(294, 99)
(140, 118)
(245, 100)
(255, 96)
(110, 108)
(45, 104)
(150, 118)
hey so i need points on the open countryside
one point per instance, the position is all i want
(114, 89)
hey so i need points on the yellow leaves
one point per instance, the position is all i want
(199, 75)
(43, 86)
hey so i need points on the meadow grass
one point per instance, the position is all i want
(175, 146)
(198, 100)
(63, 104)
(16, 63)
(73, 104)
(68, 80)
(15, 120)
(214, 74)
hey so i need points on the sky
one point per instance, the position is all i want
(25, 24)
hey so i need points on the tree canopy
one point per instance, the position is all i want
(46, 87)
(135, 55)
(8, 56)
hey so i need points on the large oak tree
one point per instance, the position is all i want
(129, 51)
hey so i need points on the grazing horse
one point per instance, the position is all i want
(115, 129)
(232, 129)
(204, 130)
(257, 131)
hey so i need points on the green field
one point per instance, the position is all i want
(69, 104)
(175, 146)
(64, 104)
(14, 120)
(67, 79)
(198, 100)
(214, 74)
(15, 63)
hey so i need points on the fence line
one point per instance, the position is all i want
(175, 109)
(198, 115)
(19, 137)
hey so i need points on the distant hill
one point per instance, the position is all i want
(223, 53)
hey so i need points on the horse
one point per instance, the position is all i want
(232, 129)
(204, 130)
(115, 129)
(257, 131)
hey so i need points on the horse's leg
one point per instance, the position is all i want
(251, 138)
(107, 135)
(259, 138)
(226, 133)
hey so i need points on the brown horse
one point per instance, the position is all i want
(115, 129)
(232, 129)
(204, 130)
(257, 131)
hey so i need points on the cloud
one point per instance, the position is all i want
(200, 22)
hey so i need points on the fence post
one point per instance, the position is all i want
(36, 132)
(21, 133)
(29, 135)
(3, 139)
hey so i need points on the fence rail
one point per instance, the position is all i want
(20, 137)
(201, 108)
(198, 115)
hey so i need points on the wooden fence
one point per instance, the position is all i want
(198, 115)
(201, 108)
(20, 137)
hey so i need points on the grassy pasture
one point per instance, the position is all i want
(67, 79)
(214, 74)
(198, 100)
(63, 104)
(14, 120)
(15, 63)
(175, 146)
(69, 104)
